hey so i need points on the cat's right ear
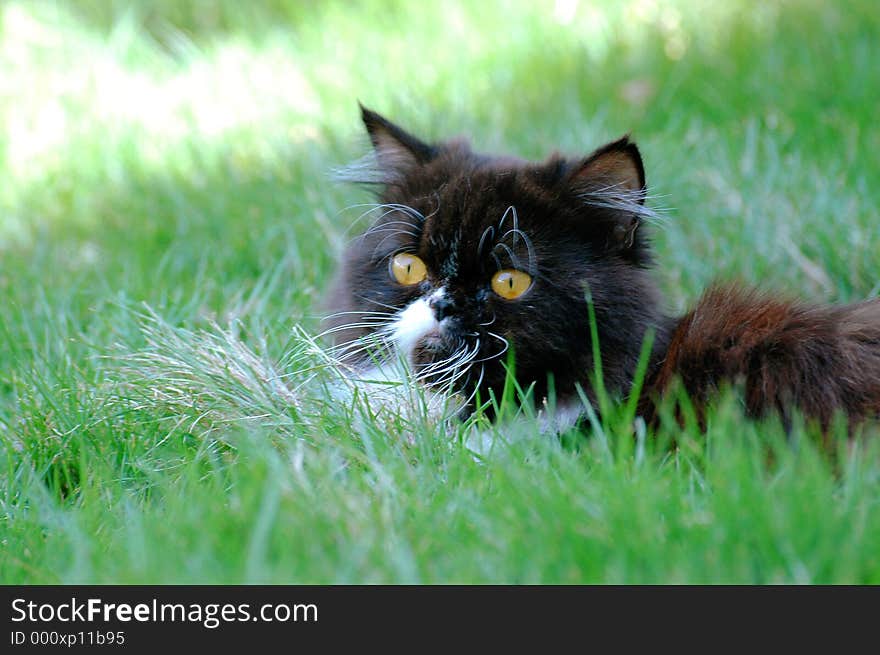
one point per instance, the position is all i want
(398, 152)
(616, 166)
(613, 177)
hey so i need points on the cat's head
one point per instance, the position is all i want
(470, 255)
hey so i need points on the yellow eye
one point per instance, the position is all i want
(408, 269)
(511, 284)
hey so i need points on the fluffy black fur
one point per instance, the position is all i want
(576, 225)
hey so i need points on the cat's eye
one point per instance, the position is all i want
(407, 269)
(510, 283)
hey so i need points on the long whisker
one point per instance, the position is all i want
(616, 197)
(378, 223)
(379, 227)
(488, 233)
(445, 360)
(352, 326)
(364, 343)
(514, 260)
(516, 232)
(515, 224)
(451, 364)
(462, 357)
(376, 348)
(378, 247)
(367, 316)
(377, 336)
(373, 207)
(504, 217)
(439, 370)
(381, 304)
(499, 353)
(473, 393)
(406, 209)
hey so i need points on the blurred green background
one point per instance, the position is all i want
(180, 154)
(205, 131)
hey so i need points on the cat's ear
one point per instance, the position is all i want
(614, 166)
(613, 177)
(397, 151)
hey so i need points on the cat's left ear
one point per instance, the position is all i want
(398, 151)
(614, 177)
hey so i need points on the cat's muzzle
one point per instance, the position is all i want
(437, 358)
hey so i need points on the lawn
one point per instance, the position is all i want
(169, 221)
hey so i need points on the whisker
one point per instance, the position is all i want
(483, 237)
(372, 208)
(515, 224)
(504, 217)
(466, 353)
(406, 209)
(514, 260)
(380, 227)
(363, 170)
(450, 364)
(435, 210)
(476, 390)
(377, 336)
(377, 222)
(350, 345)
(517, 232)
(433, 367)
(380, 223)
(375, 349)
(463, 367)
(381, 304)
(355, 311)
(351, 326)
(382, 242)
(615, 197)
(499, 353)
(365, 342)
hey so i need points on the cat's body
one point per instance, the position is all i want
(470, 255)
(786, 355)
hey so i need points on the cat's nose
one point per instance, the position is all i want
(442, 307)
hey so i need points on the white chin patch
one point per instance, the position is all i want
(413, 323)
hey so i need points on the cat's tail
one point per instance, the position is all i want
(819, 360)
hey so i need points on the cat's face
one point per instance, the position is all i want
(471, 256)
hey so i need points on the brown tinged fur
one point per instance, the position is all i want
(818, 360)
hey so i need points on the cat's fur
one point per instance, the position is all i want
(576, 226)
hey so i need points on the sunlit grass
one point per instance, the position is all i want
(167, 216)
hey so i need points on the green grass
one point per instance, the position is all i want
(168, 223)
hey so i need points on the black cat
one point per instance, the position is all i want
(471, 255)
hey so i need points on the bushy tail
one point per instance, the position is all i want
(820, 360)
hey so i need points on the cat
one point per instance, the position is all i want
(476, 265)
